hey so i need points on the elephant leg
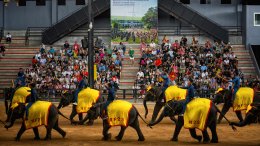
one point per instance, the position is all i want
(36, 134)
(73, 112)
(224, 111)
(121, 133)
(206, 138)
(157, 108)
(178, 127)
(6, 106)
(21, 131)
(212, 127)
(173, 119)
(80, 116)
(136, 126)
(106, 127)
(58, 129)
(194, 134)
(48, 133)
(239, 116)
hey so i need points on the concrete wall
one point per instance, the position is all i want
(222, 14)
(17, 18)
(252, 34)
(13, 17)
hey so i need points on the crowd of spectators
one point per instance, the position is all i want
(210, 65)
(54, 70)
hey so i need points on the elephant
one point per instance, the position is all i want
(19, 112)
(252, 116)
(8, 97)
(172, 108)
(67, 99)
(225, 96)
(132, 120)
(156, 94)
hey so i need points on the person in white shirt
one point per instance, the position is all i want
(139, 74)
(152, 45)
(8, 38)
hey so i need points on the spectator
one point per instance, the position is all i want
(8, 38)
(52, 50)
(131, 55)
(2, 50)
(66, 45)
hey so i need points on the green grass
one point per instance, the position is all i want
(125, 18)
(130, 40)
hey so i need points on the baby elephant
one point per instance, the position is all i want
(40, 113)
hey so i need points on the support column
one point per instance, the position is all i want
(54, 11)
(90, 46)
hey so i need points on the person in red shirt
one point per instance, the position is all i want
(158, 62)
(34, 61)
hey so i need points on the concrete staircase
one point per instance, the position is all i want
(17, 56)
(245, 62)
(128, 75)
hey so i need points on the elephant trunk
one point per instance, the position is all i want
(145, 107)
(60, 105)
(9, 124)
(158, 120)
(244, 122)
(156, 110)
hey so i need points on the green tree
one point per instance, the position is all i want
(150, 18)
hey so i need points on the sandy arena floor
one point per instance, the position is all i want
(159, 135)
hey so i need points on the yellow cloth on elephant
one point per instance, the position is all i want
(244, 97)
(20, 95)
(196, 113)
(118, 112)
(175, 93)
(249, 107)
(86, 98)
(38, 114)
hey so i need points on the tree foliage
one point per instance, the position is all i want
(150, 19)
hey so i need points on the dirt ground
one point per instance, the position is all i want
(159, 135)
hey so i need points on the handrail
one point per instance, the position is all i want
(1, 33)
(215, 30)
(65, 17)
(28, 33)
(254, 60)
(45, 95)
(232, 30)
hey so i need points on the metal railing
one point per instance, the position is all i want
(252, 54)
(187, 14)
(126, 94)
(72, 22)
(189, 30)
(33, 31)
(1, 33)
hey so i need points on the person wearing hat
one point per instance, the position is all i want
(82, 84)
(189, 96)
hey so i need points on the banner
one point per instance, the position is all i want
(134, 21)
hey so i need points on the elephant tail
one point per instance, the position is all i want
(62, 115)
(142, 118)
(233, 127)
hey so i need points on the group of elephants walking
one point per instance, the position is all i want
(171, 108)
